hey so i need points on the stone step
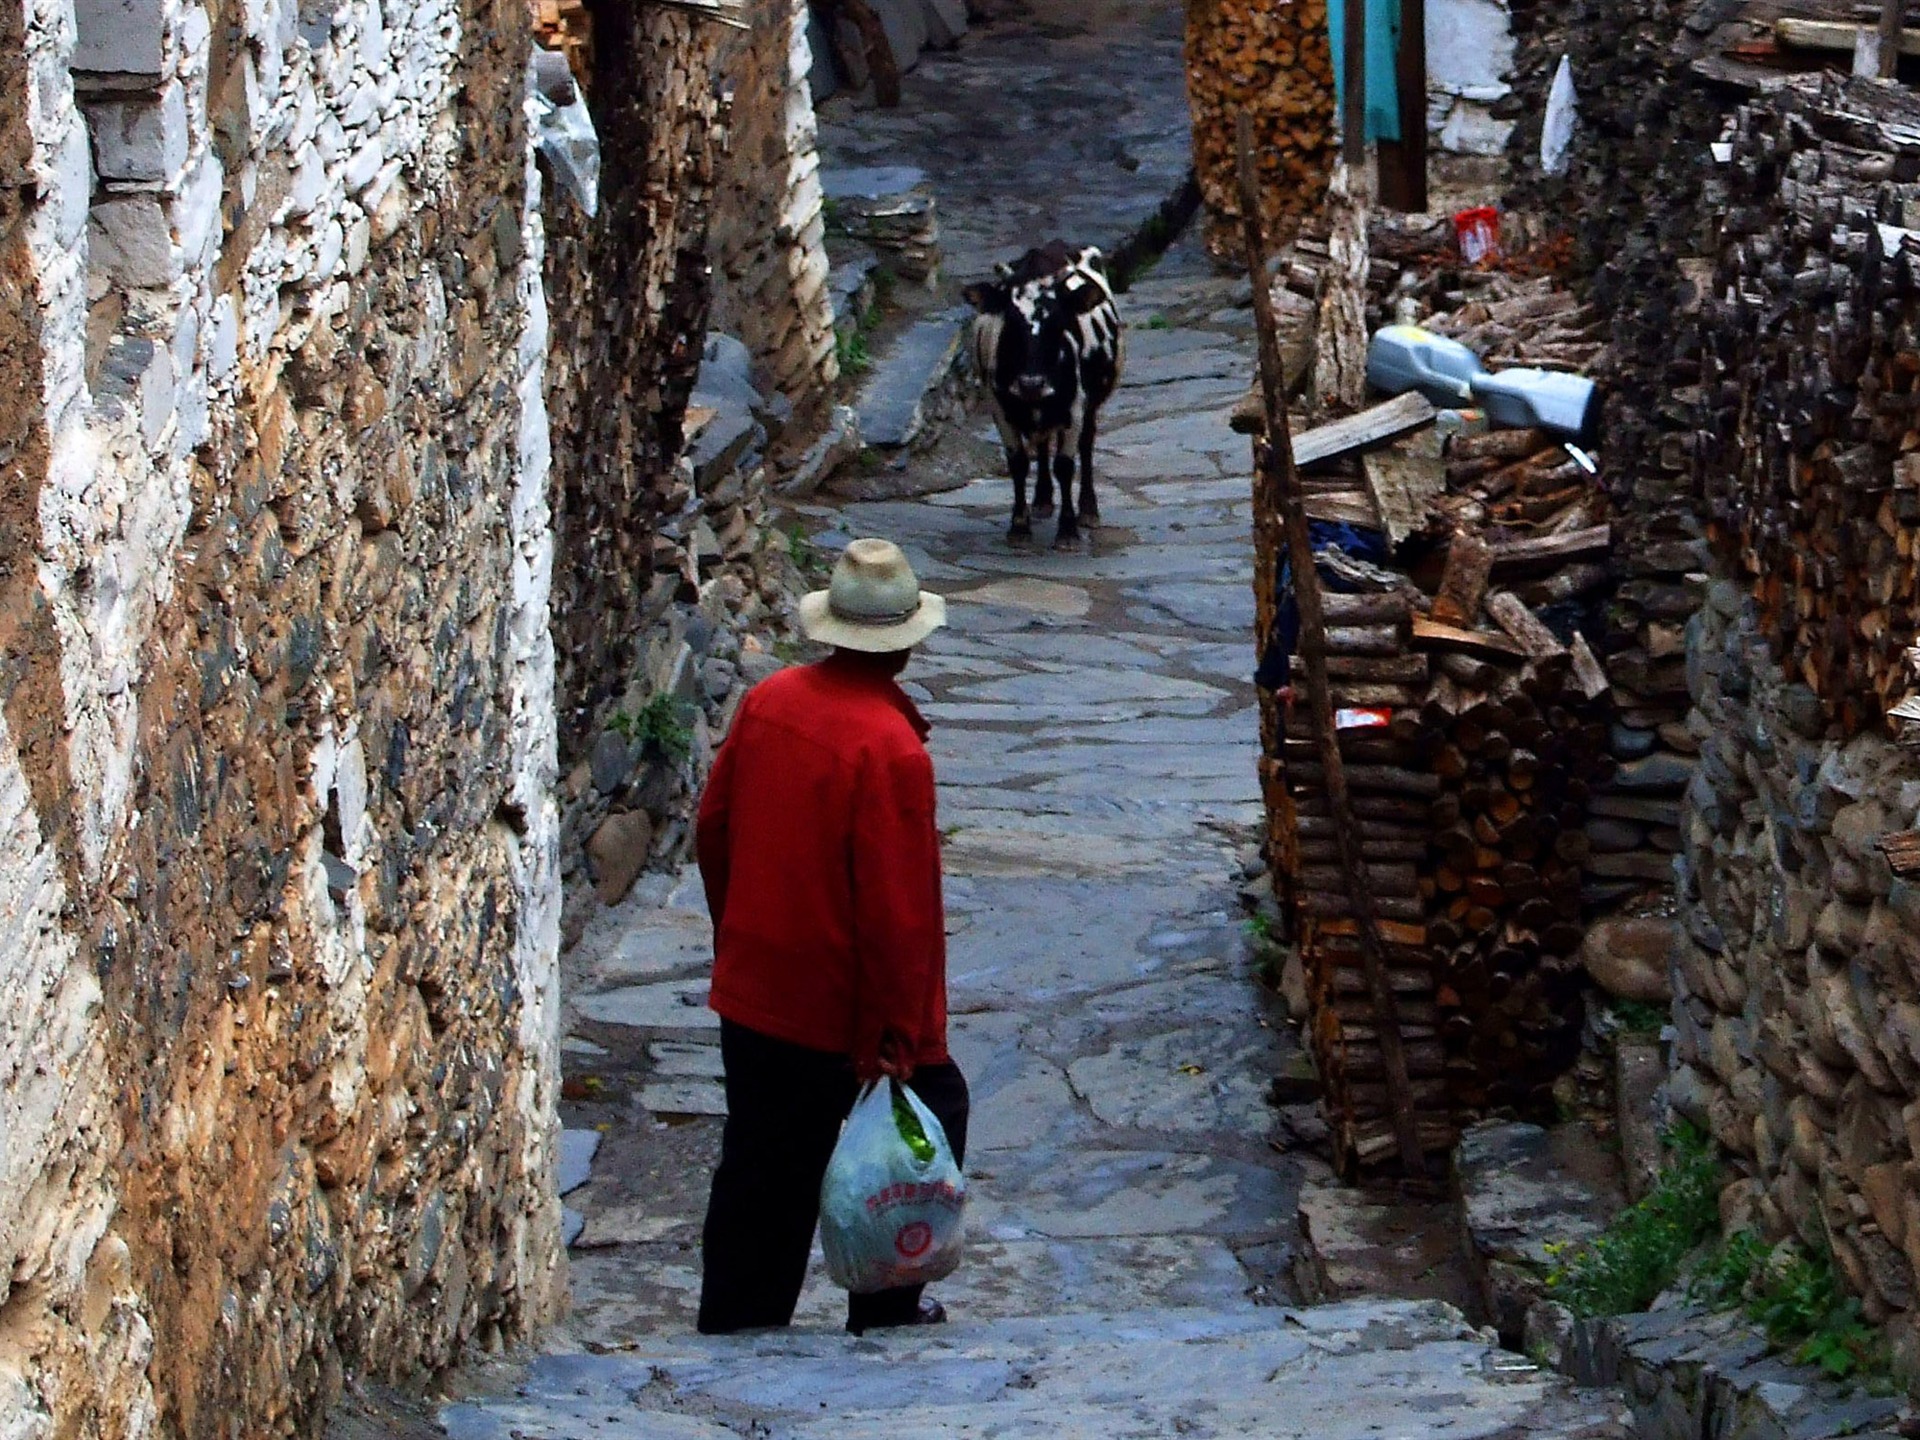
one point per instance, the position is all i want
(893, 402)
(1353, 1371)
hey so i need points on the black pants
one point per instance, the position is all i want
(784, 1108)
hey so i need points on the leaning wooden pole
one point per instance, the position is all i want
(1278, 483)
(1353, 76)
(1891, 14)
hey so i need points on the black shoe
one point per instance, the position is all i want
(931, 1312)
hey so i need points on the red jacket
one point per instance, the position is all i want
(821, 859)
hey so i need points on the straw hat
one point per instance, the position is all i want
(873, 603)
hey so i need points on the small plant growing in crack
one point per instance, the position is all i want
(1638, 1255)
(1639, 1019)
(850, 350)
(660, 725)
(806, 555)
(1797, 1299)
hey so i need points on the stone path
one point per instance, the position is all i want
(1095, 738)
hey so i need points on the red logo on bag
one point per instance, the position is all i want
(914, 1240)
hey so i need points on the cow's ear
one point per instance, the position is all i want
(1084, 297)
(987, 297)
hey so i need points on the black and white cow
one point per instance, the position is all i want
(1047, 342)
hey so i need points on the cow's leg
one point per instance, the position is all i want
(1042, 479)
(1089, 507)
(1022, 526)
(1068, 530)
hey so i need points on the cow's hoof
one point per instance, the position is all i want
(1089, 514)
(1043, 509)
(1020, 530)
(1067, 540)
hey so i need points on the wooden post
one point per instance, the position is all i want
(1890, 16)
(1403, 162)
(1353, 117)
(1278, 484)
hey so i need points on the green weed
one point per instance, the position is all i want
(850, 349)
(1722, 1278)
(1797, 1299)
(1639, 1254)
(806, 555)
(1636, 1017)
(1157, 322)
(660, 724)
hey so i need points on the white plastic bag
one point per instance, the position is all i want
(1556, 130)
(893, 1204)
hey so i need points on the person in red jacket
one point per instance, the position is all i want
(821, 860)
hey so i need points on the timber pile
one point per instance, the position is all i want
(1473, 796)
(1503, 800)
(1813, 362)
(1270, 62)
(566, 26)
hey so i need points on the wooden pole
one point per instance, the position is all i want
(1403, 162)
(1353, 118)
(1890, 16)
(1279, 488)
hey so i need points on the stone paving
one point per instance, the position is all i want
(1095, 742)
(1133, 1215)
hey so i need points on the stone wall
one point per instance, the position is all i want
(629, 293)
(769, 232)
(277, 836)
(1797, 979)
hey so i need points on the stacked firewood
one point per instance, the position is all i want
(1475, 735)
(1271, 62)
(566, 26)
(1528, 322)
(1815, 334)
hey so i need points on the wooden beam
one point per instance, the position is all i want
(1353, 119)
(1437, 635)
(1902, 849)
(1833, 35)
(1278, 484)
(1403, 162)
(1373, 426)
(1552, 549)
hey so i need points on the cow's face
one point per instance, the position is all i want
(1035, 360)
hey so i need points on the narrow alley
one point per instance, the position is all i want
(1133, 1216)
(1432, 904)
(1132, 1229)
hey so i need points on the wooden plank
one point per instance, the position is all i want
(1346, 507)
(1552, 549)
(1438, 635)
(1464, 581)
(1524, 626)
(1588, 673)
(1403, 482)
(1833, 35)
(1375, 425)
(1902, 849)
(1279, 485)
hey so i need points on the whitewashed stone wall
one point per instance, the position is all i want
(769, 228)
(278, 1067)
(1470, 54)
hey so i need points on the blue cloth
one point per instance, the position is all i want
(1276, 666)
(1383, 83)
